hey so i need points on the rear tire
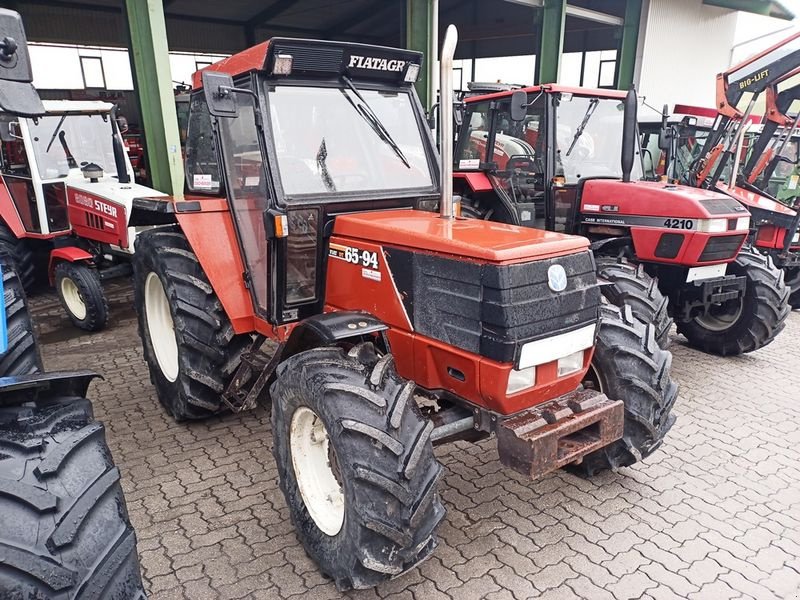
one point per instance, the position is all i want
(21, 254)
(188, 341)
(759, 317)
(81, 294)
(22, 355)
(630, 285)
(792, 278)
(629, 365)
(65, 532)
(383, 507)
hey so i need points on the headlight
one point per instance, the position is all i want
(743, 223)
(570, 364)
(412, 73)
(521, 380)
(796, 238)
(712, 225)
(283, 65)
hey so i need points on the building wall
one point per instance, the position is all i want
(683, 44)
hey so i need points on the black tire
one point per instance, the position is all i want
(93, 315)
(22, 355)
(629, 365)
(629, 284)
(764, 309)
(792, 278)
(208, 351)
(382, 447)
(65, 530)
(20, 252)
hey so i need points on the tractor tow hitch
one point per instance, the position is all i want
(560, 432)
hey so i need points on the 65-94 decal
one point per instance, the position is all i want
(353, 255)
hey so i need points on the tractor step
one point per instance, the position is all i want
(560, 432)
(252, 375)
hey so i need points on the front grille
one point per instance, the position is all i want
(492, 310)
(721, 206)
(721, 247)
(669, 245)
(314, 59)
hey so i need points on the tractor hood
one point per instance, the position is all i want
(754, 200)
(468, 238)
(608, 197)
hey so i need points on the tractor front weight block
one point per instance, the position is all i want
(560, 432)
(697, 298)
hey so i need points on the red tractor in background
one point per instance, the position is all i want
(669, 251)
(66, 191)
(716, 166)
(299, 264)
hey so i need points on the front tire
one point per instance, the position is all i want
(81, 294)
(366, 508)
(188, 341)
(65, 530)
(22, 355)
(629, 284)
(752, 321)
(629, 365)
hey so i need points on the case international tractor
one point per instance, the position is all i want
(64, 528)
(66, 187)
(567, 160)
(300, 264)
(725, 156)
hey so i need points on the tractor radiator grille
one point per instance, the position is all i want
(492, 310)
(722, 206)
(721, 247)
(94, 221)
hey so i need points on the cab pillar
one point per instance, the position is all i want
(153, 79)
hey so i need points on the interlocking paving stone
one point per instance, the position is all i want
(715, 513)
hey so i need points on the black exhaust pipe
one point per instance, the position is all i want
(119, 150)
(629, 140)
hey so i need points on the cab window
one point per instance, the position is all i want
(202, 168)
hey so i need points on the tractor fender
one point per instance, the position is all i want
(66, 253)
(611, 244)
(8, 212)
(329, 328)
(19, 389)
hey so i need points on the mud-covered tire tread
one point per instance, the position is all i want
(391, 511)
(764, 313)
(87, 280)
(21, 255)
(208, 351)
(66, 532)
(636, 370)
(629, 284)
(22, 355)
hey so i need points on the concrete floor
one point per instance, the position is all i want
(714, 514)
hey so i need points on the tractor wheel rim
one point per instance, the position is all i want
(721, 317)
(160, 326)
(72, 299)
(312, 455)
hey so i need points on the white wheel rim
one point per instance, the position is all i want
(321, 492)
(160, 326)
(72, 299)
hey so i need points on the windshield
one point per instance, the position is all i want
(589, 138)
(325, 144)
(83, 139)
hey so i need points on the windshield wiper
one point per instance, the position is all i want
(322, 158)
(55, 133)
(579, 131)
(375, 123)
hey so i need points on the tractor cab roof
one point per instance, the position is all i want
(552, 88)
(60, 107)
(291, 58)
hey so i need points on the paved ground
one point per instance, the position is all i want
(715, 514)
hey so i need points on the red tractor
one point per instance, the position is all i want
(669, 251)
(65, 203)
(299, 264)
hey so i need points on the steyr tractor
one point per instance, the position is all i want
(299, 264)
(717, 165)
(567, 160)
(66, 188)
(64, 528)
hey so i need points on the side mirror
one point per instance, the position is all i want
(217, 88)
(519, 106)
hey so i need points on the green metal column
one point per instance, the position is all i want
(626, 61)
(419, 25)
(551, 40)
(153, 79)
